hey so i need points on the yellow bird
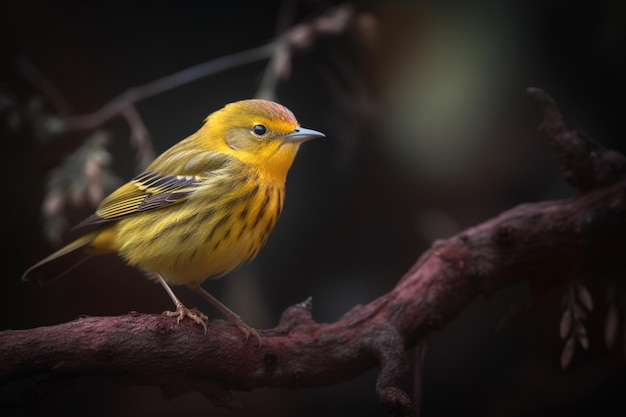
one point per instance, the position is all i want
(202, 208)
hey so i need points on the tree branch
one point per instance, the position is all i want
(336, 21)
(541, 243)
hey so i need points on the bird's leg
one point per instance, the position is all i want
(181, 311)
(245, 329)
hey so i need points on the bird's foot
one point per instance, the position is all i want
(182, 312)
(245, 329)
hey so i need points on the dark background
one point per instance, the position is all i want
(428, 132)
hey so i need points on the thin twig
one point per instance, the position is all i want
(278, 68)
(139, 136)
(133, 95)
(335, 22)
(279, 63)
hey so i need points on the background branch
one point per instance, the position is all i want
(336, 21)
(136, 94)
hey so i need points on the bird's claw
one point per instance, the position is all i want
(182, 312)
(246, 330)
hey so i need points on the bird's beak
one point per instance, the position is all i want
(302, 134)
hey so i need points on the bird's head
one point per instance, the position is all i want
(257, 132)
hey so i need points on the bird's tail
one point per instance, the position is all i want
(61, 261)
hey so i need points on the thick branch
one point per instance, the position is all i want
(540, 243)
(533, 242)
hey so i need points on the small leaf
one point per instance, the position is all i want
(568, 352)
(581, 335)
(584, 296)
(566, 324)
(611, 324)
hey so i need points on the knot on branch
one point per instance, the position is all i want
(588, 164)
(295, 315)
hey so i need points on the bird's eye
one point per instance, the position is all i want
(259, 130)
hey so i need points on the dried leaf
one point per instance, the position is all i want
(566, 324)
(281, 64)
(611, 325)
(96, 194)
(53, 203)
(80, 181)
(581, 335)
(584, 296)
(568, 352)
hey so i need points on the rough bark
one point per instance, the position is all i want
(540, 243)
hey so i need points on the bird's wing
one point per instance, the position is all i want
(147, 191)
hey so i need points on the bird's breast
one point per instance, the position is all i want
(207, 235)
